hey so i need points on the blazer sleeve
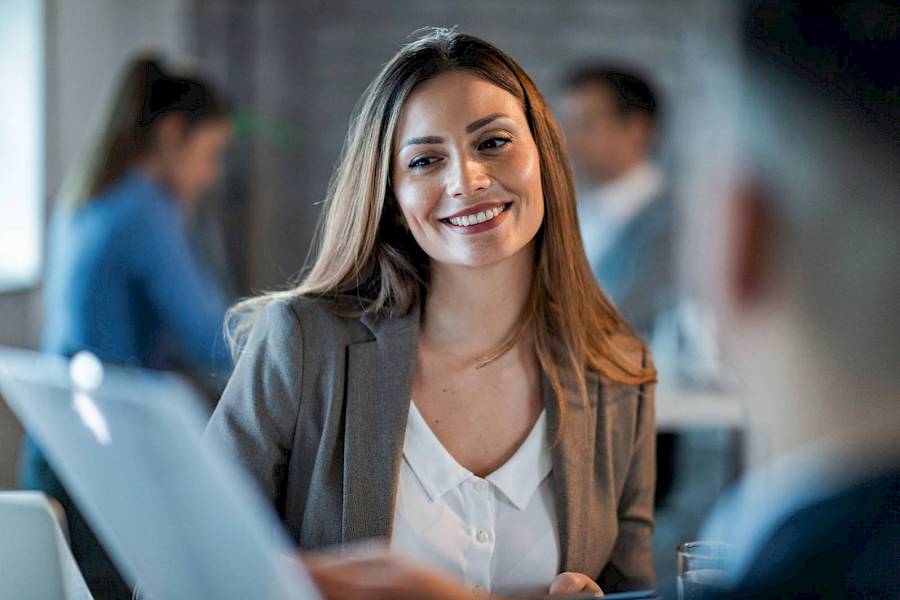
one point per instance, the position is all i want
(630, 564)
(256, 417)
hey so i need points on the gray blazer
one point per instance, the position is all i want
(317, 409)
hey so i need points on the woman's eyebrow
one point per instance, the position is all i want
(476, 125)
(429, 139)
(434, 139)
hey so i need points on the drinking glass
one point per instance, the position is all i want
(705, 569)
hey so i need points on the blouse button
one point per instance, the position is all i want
(482, 536)
(480, 486)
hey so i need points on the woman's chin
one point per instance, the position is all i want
(481, 259)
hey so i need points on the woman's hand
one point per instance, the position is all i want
(381, 576)
(572, 583)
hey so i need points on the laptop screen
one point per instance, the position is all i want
(171, 510)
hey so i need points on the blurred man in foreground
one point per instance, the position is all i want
(812, 281)
(810, 247)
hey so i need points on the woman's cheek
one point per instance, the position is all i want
(530, 175)
(415, 203)
(402, 194)
(427, 201)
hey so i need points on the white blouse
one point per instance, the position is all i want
(497, 534)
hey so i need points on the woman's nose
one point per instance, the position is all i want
(467, 177)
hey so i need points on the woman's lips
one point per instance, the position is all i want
(474, 210)
(482, 220)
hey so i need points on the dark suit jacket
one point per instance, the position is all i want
(844, 546)
(317, 409)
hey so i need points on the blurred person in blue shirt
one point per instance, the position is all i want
(122, 280)
(611, 120)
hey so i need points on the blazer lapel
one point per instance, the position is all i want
(573, 471)
(379, 384)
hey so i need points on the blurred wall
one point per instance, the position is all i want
(295, 69)
(86, 42)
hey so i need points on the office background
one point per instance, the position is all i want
(294, 70)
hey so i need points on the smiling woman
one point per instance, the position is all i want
(447, 375)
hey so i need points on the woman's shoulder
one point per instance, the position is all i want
(629, 354)
(319, 319)
(633, 348)
(131, 213)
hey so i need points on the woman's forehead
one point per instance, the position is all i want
(451, 101)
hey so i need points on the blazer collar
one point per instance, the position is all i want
(379, 385)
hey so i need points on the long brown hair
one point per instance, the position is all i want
(145, 93)
(363, 251)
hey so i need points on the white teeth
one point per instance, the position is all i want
(481, 217)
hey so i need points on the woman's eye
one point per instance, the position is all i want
(421, 163)
(494, 142)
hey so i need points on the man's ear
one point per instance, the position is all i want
(752, 244)
(641, 130)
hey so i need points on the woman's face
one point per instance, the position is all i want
(192, 157)
(466, 171)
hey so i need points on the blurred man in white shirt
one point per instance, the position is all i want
(611, 119)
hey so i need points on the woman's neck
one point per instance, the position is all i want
(469, 311)
(153, 168)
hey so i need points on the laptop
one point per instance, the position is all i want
(34, 547)
(173, 512)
